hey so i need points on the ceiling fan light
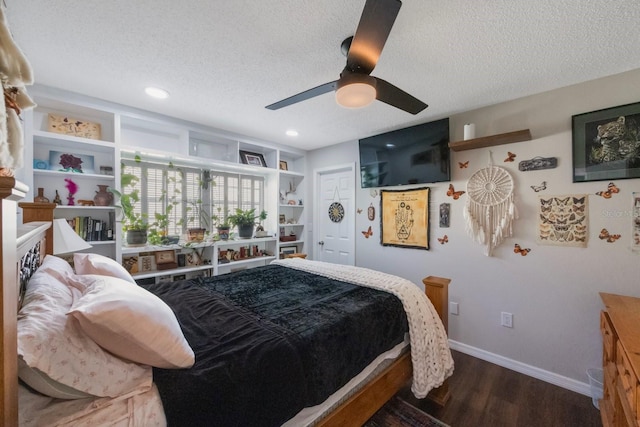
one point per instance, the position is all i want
(355, 95)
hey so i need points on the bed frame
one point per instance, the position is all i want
(353, 412)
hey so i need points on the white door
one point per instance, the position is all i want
(335, 231)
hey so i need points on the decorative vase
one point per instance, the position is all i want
(40, 197)
(103, 197)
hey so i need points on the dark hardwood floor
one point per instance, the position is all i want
(487, 395)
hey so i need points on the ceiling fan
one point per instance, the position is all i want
(356, 87)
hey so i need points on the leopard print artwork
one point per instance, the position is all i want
(616, 140)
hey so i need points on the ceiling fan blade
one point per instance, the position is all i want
(373, 30)
(396, 97)
(302, 96)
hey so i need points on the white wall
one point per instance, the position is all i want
(553, 291)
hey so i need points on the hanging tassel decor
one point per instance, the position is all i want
(490, 208)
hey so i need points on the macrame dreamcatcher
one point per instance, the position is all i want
(490, 208)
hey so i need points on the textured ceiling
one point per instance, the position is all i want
(223, 61)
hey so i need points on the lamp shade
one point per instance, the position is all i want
(355, 90)
(65, 239)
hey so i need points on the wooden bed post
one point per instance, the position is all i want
(437, 290)
(39, 212)
(10, 192)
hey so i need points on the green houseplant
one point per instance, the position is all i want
(245, 220)
(134, 225)
(221, 222)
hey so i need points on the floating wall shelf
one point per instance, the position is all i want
(490, 141)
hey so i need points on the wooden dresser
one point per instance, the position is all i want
(620, 326)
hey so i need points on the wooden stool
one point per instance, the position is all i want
(295, 255)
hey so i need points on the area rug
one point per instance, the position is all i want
(398, 413)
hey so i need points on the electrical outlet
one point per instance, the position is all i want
(453, 308)
(506, 319)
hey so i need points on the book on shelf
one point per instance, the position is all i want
(91, 229)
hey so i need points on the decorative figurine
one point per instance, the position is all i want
(72, 188)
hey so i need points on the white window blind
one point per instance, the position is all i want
(190, 190)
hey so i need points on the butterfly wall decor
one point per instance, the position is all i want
(359, 210)
(444, 239)
(510, 157)
(451, 192)
(517, 249)
(610, 238)
(610, 191)
(463, 165)
(538, 188)
(367, 233)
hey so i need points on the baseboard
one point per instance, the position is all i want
(523, 368)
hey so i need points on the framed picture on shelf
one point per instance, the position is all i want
(282, 219)
(287, 250)
(130, 263)
(67, 162)
(69, 126)
(605, 144)
(283, 165)
(146, 263)
(254, 159)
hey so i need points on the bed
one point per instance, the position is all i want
(353, 404)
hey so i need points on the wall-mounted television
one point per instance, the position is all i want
(414, 155)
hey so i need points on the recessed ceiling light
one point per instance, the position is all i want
(292, 132)
(156, 92)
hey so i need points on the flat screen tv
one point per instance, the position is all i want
(414, 155)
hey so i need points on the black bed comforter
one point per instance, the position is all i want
(270, 341)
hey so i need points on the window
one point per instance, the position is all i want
(194, 194)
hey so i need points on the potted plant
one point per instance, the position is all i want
(134, 224)
(245, 220)
(221, 222)
(159, 229)
(197, 212)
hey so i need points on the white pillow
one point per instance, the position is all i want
(99, 264)
(53, 343)
(57, 267)
(130, 322)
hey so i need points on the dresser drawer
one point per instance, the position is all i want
(608, 338)
(627, 379)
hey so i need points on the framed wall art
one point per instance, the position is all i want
(606, 144)
(67, 162)
(283, 165)
(70, 126)
(404, 218)
(254, 159)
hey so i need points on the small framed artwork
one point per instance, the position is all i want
(130, 263)
(282, 219)
(283, 165)
(254, 159)
(75, 127)
(606, 144)
(146, 263)
(287, 250)
(67, 162)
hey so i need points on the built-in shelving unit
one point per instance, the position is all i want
(490, 141)
(128, 133)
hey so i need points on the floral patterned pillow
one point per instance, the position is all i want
(52, 343)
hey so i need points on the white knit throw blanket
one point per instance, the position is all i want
(430, 354)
